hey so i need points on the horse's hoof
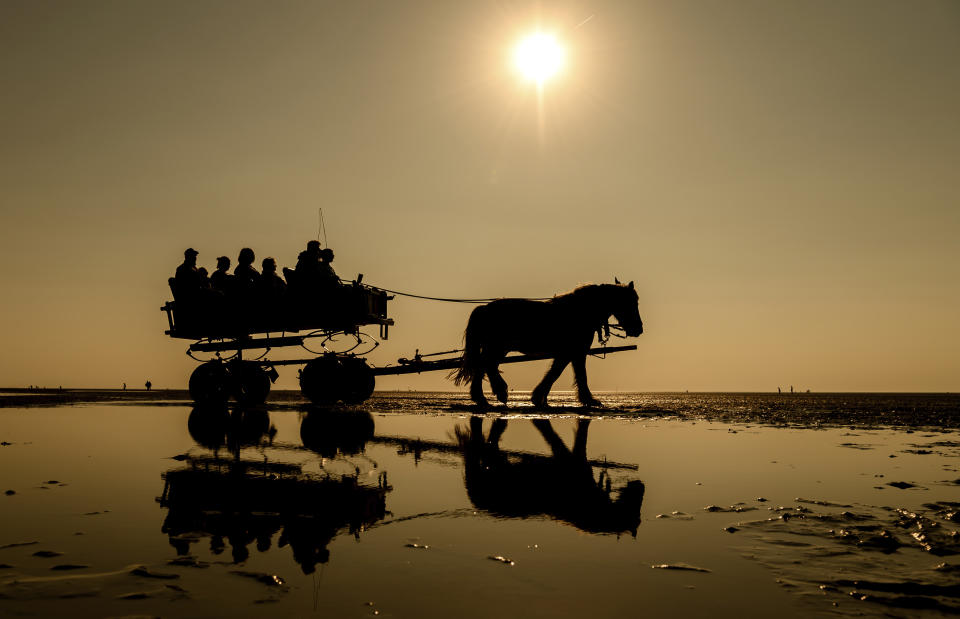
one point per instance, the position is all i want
(592, 403)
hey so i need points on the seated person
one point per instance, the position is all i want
(307, 263)
(221, 280)
(272, 285)
(245, 275)
(328, 276)
(188, 280)
(204, 279)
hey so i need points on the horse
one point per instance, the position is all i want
(561, 327)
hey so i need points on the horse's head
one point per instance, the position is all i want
(626, 309)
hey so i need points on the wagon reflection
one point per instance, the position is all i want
(241, 502)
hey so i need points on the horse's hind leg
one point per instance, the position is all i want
(580, 377)
(497, 383)
(476, 389)
(539, 396)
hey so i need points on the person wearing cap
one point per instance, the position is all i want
(187, 276)
(308, 262)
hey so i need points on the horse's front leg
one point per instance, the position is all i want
(580, 377)
(539, 396)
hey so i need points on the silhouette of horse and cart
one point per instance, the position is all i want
(561, 328)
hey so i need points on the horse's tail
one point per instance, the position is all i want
(471, 361)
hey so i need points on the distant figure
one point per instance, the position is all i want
(246, 275)
(327, 274)
(779, 391)
(272, 285)
(791, 388)
(148, 385)
(221, 278)
(187, 276)
(124, 386)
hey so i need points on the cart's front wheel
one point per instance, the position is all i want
(320, 380)
(210, 383)
(330, 379)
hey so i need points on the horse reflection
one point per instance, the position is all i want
(241, 501)
(560, 486)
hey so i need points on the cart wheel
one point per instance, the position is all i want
(210, 383)
(358, 380)
(252, 384)
(321, 380)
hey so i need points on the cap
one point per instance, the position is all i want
(191, 252)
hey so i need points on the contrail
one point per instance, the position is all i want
(592, 15)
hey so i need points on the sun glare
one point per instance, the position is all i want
(538, 57)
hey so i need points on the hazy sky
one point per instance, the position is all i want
(780, 179)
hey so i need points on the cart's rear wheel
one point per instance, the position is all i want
(251, 383)
(358, 380)
(320, 380)
(210, 383)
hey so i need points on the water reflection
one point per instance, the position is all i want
(218, 427)
(244, 489)
(561, 486)
(333, 432)
(242, 502)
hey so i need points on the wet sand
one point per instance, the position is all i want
(413, 506)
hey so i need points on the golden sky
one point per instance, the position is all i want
(780, 179)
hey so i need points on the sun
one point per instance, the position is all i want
(538, 57)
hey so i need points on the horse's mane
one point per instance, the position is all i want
(582, 293)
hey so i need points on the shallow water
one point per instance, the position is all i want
(412, 506)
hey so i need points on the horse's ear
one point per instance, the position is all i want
(630, 284)
(615, 280)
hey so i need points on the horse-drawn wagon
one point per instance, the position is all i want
(561, 328)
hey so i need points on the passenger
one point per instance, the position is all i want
(187, 276)
(221, 280)
(272, 285)
(308, 262)
(327, 275)
(246, 275)
(204, 279)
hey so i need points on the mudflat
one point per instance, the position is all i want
(420, 505)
